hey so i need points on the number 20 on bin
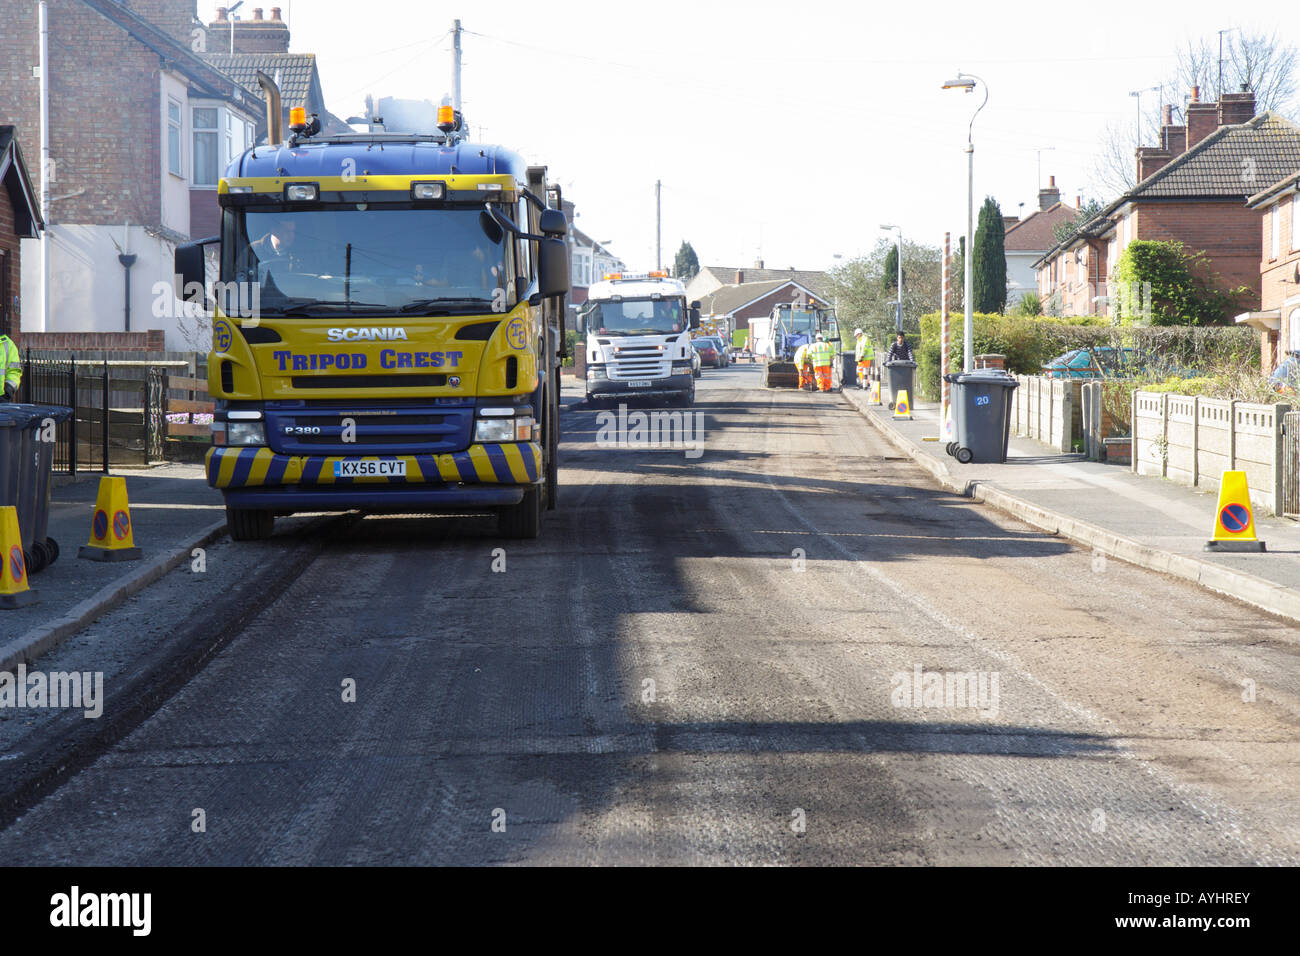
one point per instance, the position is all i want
(981, 399)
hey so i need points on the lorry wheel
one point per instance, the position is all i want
(684, 399)
(523, 520)
(249, 524)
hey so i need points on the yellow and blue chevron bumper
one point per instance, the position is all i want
(484, 474)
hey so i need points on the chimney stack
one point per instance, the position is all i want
(1202, 118)
(1173, 138)
(740, 277)
(257, 35)
(758, 263)
(1049, 197)
(1235, 108)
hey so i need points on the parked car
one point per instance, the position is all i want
(719, 358)
(706, 350)
(1100, 362)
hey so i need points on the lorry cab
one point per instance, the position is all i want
(637, 330)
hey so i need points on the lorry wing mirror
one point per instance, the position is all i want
(553, 223)
(581, 323)
(190, 273)
(695, 315)
(552, 268)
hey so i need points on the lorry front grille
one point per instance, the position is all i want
(404, 429)
(639, 361)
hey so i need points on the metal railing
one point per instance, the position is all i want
(1290, 490)
(120, 409)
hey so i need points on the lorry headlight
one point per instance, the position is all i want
(245, 433)
(680, 368)
(494, 429)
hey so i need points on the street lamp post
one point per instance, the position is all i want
(898, 307)
(967, 81)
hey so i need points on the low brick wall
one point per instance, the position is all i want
(148, 341)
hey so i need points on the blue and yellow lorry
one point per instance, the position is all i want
(387, 328)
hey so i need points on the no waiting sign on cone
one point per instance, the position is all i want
(1234, 522)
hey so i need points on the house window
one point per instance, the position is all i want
(206, 145)
(1295, 222)
(174, 164)
(1276, 240)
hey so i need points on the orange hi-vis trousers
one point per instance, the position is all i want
(805, 376)
(864, 372)
(823, 373)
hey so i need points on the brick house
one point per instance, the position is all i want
(20, 218)
(1029, 239)
(1193, 189)
(140, 127)
(732, 306)
(711, 278)
(1278, 318)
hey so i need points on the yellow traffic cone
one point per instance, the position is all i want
(14, 591)
(903, 406)
(111, 537)
(875, 391)
(1234, 522)
(947, 423)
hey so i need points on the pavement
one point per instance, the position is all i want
(173, 511)
(1151, 522)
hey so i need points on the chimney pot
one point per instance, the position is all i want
(1168, 116)
(257, 13)
(1196, 94)
(275, 13)
(221, 13)
(1051, 182)
(1078, 202)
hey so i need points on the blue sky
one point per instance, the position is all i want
(789, 131)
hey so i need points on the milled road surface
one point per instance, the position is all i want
(694, 664)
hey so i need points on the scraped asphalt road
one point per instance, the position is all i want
(694, 664)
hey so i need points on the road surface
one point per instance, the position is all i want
(703, 660)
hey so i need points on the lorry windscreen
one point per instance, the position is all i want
(636, 317)
(366, 259)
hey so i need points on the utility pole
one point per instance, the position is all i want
(659, 262)
(455, 65)
(45, 167)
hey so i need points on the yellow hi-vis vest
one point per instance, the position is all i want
(800, 354)
(865, 350)
(823, 353)
(11, 366)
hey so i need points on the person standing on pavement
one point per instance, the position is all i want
(900, 351)
(823, 354)
(11, 366)
(864, 354)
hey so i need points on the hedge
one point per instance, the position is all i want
(1029, 342)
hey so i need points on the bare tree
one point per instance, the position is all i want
(1260, 60)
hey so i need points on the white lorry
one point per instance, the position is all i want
(638, 338)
